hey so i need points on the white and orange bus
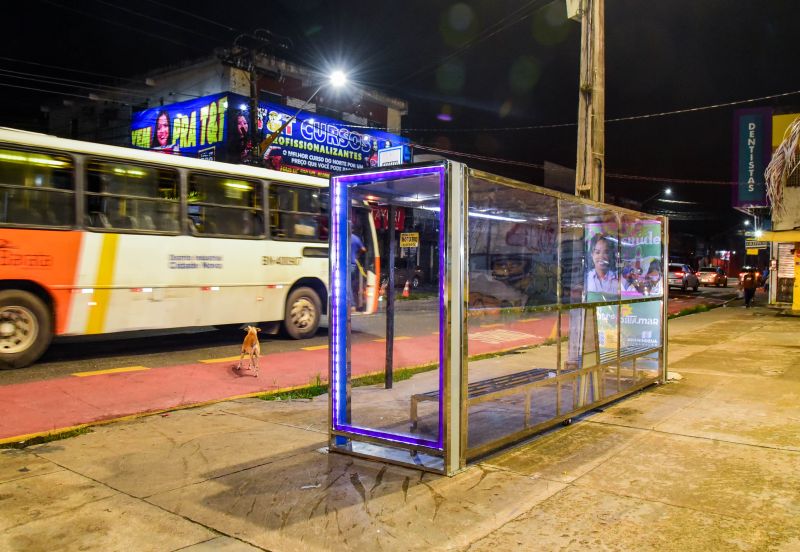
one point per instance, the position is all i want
(97, 239)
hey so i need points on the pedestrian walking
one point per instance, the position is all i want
(748, 285)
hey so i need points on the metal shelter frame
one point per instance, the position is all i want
(599, 351)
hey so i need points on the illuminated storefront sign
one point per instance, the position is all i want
(753, 136)
(217, 127)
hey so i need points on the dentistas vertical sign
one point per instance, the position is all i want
(752, 148)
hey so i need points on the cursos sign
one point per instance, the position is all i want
(317, 145)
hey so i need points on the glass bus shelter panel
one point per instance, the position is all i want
(641, 346)
(589, 254)
(588, 350)
(512, 277)
(407, 411)
(512, 247)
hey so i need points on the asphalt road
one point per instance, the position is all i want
(160, 349)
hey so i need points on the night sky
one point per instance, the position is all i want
(487, 64)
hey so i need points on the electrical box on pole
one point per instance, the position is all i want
(574, 9)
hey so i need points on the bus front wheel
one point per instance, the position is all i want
(303, 312)
(26, 328)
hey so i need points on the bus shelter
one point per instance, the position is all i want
(535, 307)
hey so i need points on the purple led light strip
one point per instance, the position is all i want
(339, 186)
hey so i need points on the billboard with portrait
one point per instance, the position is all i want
(217, 127)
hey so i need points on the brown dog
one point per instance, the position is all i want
(251, 348)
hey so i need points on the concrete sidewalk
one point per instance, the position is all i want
(709, 462)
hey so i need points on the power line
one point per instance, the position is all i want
(484, 35)
(61, 68)
(112, 22)
(621, 176)
(157, 20)
(46, 79)
(59, 93)
(62, 81)
(613, 120)
(190, 14)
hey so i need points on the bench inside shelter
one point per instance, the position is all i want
(524, 382)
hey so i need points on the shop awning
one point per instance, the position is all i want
(780, 236)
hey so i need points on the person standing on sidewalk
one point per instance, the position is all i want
(748, 285)
(356, 249)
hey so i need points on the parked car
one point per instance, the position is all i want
(486, 291)
(757, 272)
(682, 276)
(712, 276)
(402, 273)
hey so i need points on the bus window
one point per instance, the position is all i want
(131, 197)
(225, 206)
(298, 213)
(36, 189)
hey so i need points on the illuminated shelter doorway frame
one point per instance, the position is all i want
(450, 450)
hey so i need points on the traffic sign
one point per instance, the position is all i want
(755, 244)
(409, 239)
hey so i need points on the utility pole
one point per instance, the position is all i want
(253, 122)
(590, 167)
(243, 54)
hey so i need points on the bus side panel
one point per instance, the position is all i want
(133, 282)
(46, 257)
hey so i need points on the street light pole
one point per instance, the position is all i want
(665, 191)
(267, 141)
(337, 79)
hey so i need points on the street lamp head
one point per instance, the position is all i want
(747, 223)
(338, 79)
(667, 191)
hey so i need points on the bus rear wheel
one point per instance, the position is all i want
(26, 328)
(303, 313)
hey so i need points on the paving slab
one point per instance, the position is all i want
(306, 414)
(335, 502)
(21, 464)
(117, 523)
(567, 454)
(706, 475)
(158, 453)
(221, 544)
(735, 411)
(580, 519)
(46, 496)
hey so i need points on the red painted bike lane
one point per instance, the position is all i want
(38, 408)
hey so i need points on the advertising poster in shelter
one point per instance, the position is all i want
(641, 275)
(625, 264)
(217, 127)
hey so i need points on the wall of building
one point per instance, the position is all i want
(789, 218)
